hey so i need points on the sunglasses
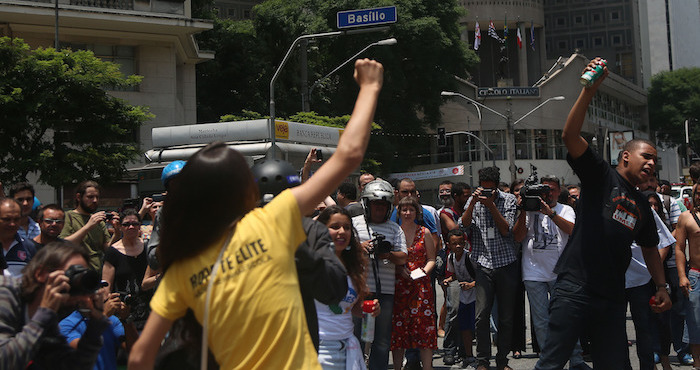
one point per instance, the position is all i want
(51, 221)
(127, 224)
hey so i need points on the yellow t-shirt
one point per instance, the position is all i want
(256, 317)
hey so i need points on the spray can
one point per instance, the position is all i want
(367, 321)
(588, 78)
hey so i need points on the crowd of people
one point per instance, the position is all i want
(292, 265)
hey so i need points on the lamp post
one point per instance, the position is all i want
(284, 61)
(510, 143)
(387, 42)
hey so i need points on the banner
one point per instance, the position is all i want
(430, 174)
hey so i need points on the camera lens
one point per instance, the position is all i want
(82, 280)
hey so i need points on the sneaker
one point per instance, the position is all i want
(581, 366)
(686, 359)
(470, 363)
(657, 359)
(449, 359)
(413, 365)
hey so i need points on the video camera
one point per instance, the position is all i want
(82, 280)
(379, 245)
(532, 191)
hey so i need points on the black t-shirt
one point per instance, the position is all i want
(611, 214)
(128, 275)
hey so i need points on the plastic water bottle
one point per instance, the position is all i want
(367, 321)
(588, 78)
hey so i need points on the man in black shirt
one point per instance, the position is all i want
(589, 292)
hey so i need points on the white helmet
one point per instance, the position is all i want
(378, 190)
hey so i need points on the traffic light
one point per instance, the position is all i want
(442, 139)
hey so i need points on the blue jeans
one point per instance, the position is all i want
(573, 309)
(538, 293)
(379, 357)
(491, 283)
(332, 355)
(638, 298)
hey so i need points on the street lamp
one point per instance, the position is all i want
(510, 143)
(284, 61)
(387, 42)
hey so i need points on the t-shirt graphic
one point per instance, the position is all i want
(545, 237)
(622, 209)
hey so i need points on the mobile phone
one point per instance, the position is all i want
(157, 197)
(319, 154)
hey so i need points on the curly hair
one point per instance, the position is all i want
(492, 174)
(354, 260)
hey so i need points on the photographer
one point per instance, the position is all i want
(30, 309)
(385, 243)
(489, 217)
(543, 228)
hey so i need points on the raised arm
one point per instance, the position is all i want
(571, 135)
(352, 144)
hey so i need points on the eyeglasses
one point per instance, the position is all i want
(11, 219)
(134, 224)
(51, 221)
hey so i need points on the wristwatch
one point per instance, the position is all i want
(668, 288)
(554, 213)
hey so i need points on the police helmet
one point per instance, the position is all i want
(273, 176)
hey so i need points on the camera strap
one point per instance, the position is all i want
(204, 361)
(374, 261)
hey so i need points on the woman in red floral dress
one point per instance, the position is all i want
(414, 305)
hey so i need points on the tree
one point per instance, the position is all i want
(57, 120)
(428, 55)
(674, 96)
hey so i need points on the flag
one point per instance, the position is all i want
(477, 36)
(505, 29)
(492, 31)
(520, 39)
(532, 35)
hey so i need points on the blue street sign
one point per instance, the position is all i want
(366, 17)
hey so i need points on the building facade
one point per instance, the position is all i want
(151, 38)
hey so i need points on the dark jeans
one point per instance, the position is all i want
(502, 283)
(571, 310)
(638, 299)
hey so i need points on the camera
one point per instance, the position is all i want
(158, 197)
(488, 193)
(82, 280)
(108, 216)
(127, 298)
(379, 245)
(319, 154)
(532, 192)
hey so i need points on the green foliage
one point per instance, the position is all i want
(56, 119)
(428, 55)
(674, 96)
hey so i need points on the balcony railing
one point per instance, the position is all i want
(110, 4)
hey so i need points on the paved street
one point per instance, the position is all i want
(529, 358)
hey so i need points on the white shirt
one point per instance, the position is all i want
(335, 321)
(637, 273)
(459, 268)
(544, 243)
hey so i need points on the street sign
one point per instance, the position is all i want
(366, 17)
(524, 91)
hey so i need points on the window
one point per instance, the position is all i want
(597, 17)
(469, 148)
(541, 145)
(231, 12)
(615, 15)
(522, 144)
(123, 56)
(562, 45)
(496, 140)
(597, 41)
(561, 21)
(578, 19)
(246, 14)
(616, 40)
(579, 43)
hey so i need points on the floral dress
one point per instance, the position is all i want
(414, 304)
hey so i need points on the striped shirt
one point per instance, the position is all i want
(394, 235)
(32, 230)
